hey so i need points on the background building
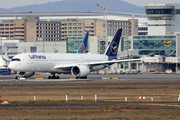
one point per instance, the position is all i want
(163, 19)
(47, 31)
(157, 33)
(13, 29)
(49, 47)
(163, 37)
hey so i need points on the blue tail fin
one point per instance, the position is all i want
(112, 49)
(82, 47)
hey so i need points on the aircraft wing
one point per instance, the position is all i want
(115, 61)
(92, 64)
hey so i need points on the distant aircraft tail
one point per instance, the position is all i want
(82, 47)
(5, 57)
(112, 49)
(5, 60)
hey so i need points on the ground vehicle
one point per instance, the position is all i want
(5, 71)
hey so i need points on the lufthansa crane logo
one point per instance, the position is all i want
(114, 48)
(167, 42)
(91, 39)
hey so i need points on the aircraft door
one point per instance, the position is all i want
(28, 60)
(50, 60)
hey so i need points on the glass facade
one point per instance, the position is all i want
(155, 45)
(159, 11)
(142, 24)
(33, 49)
(73, 43)
(178, 11)
(122, 43)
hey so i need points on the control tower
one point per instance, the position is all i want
(163, 19)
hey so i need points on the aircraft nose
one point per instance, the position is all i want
(11, 66)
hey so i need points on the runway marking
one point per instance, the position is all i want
(109, 78)
(163, 105)
(39, 78)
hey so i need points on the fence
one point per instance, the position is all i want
(95, 98)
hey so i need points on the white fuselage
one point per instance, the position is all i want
(46, 62)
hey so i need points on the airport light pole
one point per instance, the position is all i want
(104, 25)
(105, 22)
(43, 37)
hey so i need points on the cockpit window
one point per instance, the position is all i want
(16, 59)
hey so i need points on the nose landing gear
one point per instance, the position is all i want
(19, 76)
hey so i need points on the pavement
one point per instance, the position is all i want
(145, 76)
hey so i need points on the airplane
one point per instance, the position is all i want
(79, 65)
(82, 49)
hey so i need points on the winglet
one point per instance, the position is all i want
(112, 49)
(82, 48)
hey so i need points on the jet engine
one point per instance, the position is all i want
(80, 71)
(26, 74)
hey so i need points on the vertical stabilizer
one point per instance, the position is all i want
(112, 49)
(82, 48)
(5, 57)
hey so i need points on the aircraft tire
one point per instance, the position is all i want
(53, 77)
(78, 77)
(81, 77)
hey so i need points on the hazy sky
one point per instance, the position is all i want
(17, 3)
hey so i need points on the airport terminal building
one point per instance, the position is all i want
(163, 37)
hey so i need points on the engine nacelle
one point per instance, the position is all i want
(26, 74)
(80, 71)
(96, 68)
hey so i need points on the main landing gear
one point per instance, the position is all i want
(53, 77)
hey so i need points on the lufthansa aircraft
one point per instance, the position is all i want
(79, 65)
(82, 49)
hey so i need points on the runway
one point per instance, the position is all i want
(144, 76)
(128, 83)
(86, 105)
(150, 79)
